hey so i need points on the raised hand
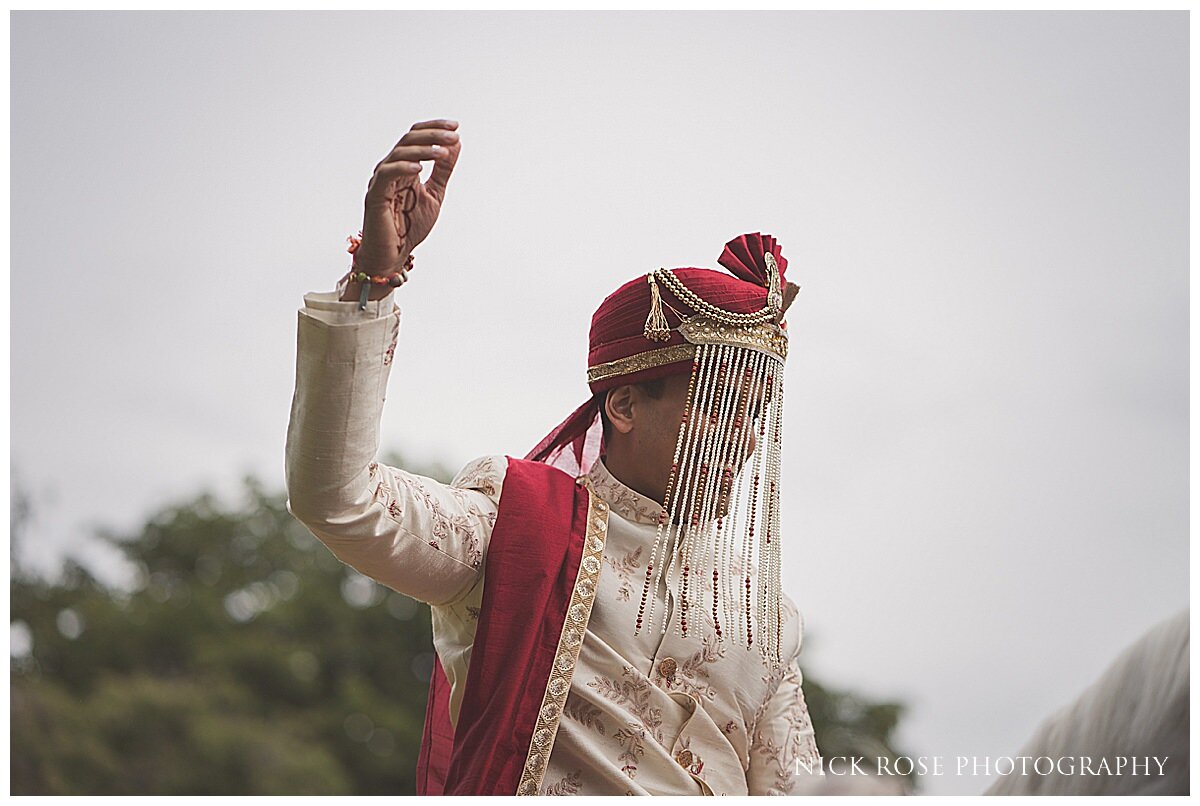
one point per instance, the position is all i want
(400, 210)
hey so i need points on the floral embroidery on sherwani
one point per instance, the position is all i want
(693, 674)
(461, 524)
(632, 741)
(801, 731)
(622, 498)
(584, 713)
(634, 692)
(771, 680)
(481, 474)
(624, 566)
(777, 756)
(568, 785)
(779, 752)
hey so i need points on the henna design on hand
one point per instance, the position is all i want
(403, 204)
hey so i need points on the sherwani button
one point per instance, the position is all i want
(667, 669)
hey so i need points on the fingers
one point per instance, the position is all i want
(438, 131)
(428, 137)
(394, 170)
(407, 153)
(442, 168)
(422, 144)
(440, 123)
(433, 140)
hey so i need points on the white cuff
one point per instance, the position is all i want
(326, 307)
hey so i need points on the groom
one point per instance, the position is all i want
(606, 611)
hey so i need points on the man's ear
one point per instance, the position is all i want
(619, 408)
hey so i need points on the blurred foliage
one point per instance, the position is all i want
(245, 660)
(850, 726)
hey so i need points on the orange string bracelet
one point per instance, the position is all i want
(394, 279)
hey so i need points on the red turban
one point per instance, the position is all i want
(618, 333)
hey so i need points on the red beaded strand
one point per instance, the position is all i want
(749, 627)
(662, 516)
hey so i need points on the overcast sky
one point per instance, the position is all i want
(986, 443)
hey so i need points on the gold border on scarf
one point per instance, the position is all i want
(640, 361)
(570, 641)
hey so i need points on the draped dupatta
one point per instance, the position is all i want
(540, 575)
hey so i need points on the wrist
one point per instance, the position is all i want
(367, 286)
(353, 292)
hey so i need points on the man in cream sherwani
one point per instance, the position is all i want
(647, 711)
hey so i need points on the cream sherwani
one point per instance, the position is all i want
(646, 714)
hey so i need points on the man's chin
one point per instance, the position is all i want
(721, 509)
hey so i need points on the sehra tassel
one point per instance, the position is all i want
(657, 328)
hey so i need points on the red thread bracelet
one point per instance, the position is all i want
(394, 279)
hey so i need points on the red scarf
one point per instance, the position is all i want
(532, 560)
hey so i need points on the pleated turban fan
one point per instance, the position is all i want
(718, 536)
